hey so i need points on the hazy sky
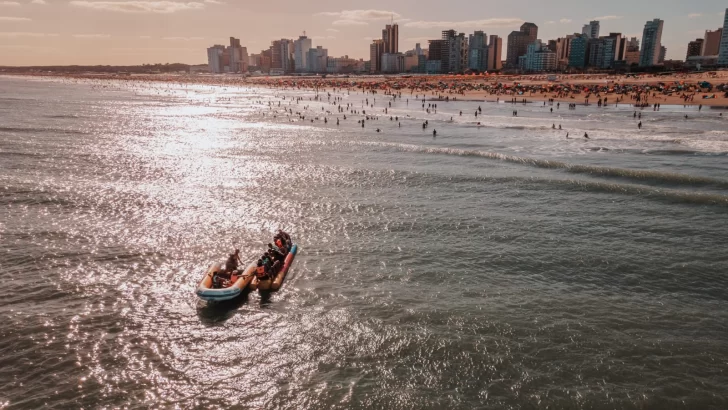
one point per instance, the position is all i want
(46, 32)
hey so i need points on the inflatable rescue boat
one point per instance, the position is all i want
(232, 288)
(274, 282)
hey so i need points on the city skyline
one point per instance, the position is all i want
(118, 32)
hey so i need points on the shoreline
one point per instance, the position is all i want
(460, 88)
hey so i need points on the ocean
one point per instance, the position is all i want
(494, 267)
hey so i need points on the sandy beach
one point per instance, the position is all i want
(708, 89)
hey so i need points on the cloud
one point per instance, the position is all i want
(611, 17)
(349, 23)
(91, 35)
(550, 22)
(214, 2)
(14, 18)
(182, 38)
(322, 37)
(26, 34)
(362, 15)
(332, 30)
(9, 3)
(564, 21)
(39, 2)
(164, 7)
(494, 22)
(694, 15)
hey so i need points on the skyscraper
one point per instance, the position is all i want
(390, 36)
(455, 52)
(578, 52)
(282, 59)
(591, 30)
(316, 60)
(495, 50)
(651, 43)
(478, 51)
(376, 49)
(215, 58)
(711, 42)
(301, 47)
(539, 58)
(694, 48)
(563, 49)
(723, 51)
(235, 55)
(518, 42)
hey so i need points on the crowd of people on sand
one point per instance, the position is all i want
(267, 266)
(684, 87)
(387, 97)
(429, 91)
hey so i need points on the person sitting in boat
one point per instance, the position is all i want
(233, 261)
(285, 239)
(262, 271)
(279, 248)
(220, 279)
(275, 258)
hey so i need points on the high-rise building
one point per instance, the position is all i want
(300, 53)
(376, 49)
(591, 30)
(282, 59)
(235, 54)
(711, 42)
(695, 48)
(563, 48)
(518, 42)
(651, 43)
(215, 58)
(723, 49)
(538, 58)
(578, 52)
(317, 60)
(392, 63)
(478, 51)
(433, 64)
(633, 44)
(632, 54)
(455, 52)
(604, 51)
(663, 54)
(390, 36)
(495, 50)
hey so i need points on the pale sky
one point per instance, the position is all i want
(62, 32)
